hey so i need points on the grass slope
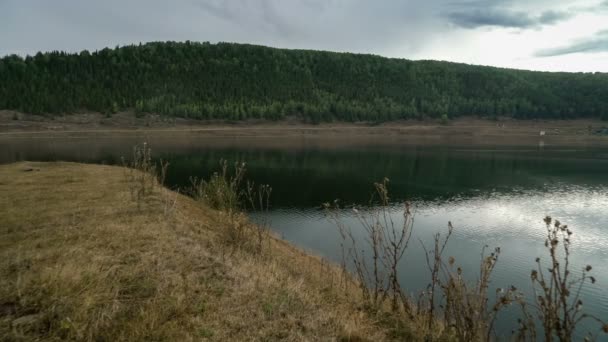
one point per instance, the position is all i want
(82, 260)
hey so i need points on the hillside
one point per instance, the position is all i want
(82, 260)
(235, 82)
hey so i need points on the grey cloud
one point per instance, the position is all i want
(489, 17)
(553, 17)
(498, 17)
(261, 16)
(216, 9)
(596, 44)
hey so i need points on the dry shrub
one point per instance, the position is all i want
(377, 275)
(557, 303)
(142, 174)
(229, 192)
(222, 190)
(462, 311)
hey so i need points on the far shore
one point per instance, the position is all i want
(463, 131)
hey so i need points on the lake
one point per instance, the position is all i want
(495, 196)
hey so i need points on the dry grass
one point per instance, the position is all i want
(81, 260)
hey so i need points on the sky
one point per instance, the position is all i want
(550, 35)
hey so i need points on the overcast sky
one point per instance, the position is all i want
(555, 35)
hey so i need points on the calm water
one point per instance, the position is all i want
(493, 196)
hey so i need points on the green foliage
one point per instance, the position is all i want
(233, 82)
(114, 108)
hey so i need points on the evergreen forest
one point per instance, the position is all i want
(231, 82)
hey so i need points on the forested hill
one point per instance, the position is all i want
(235, 82)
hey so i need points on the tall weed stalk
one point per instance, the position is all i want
(453, 307)
(557, 301)
(377, 275)
(142, 174)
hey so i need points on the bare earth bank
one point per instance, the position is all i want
(459, 131)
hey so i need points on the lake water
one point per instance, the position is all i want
(495, 196)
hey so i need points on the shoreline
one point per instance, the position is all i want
(460, 131)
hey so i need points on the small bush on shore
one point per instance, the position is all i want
(229, 192)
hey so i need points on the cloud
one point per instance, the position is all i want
(597, 43)
(498, 17)
(553, 17)
(261, 15)
(489, 17)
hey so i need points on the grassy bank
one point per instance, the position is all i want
(83, 260)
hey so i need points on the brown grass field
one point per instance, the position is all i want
(82, 260)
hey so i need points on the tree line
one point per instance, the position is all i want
(227, 81)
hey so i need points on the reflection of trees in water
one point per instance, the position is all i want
(311, 177)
